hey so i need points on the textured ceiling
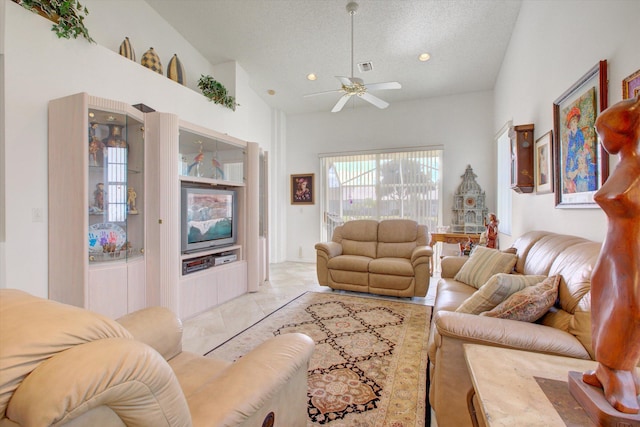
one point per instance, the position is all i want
(278, 42)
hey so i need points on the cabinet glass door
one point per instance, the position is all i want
(116, 186)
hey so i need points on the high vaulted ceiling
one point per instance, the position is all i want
(279, 42)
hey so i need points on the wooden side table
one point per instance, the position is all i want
(455, 238)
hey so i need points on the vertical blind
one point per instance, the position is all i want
(381, 185)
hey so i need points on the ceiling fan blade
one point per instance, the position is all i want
(346, 81)
(343, 100)
(383, 86)
(374, 100)
(322, 93)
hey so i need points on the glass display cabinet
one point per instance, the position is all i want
(203, 156)
(116, 186)
(97, 203)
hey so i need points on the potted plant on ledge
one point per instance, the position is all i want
(216, 92)
(67, 15)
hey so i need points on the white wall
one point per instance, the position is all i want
(461, 124)
(554, 44)
(39, 67)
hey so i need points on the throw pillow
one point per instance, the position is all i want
(497, 289)
(529, 304)
(484, 263)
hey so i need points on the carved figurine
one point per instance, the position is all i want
(492, 231)
(615, 283)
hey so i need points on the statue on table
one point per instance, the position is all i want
(492, 231)
(615, 283)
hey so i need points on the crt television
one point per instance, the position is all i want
(209, 218)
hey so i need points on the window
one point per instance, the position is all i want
(117, 184)
(504, 180)
(381, 185)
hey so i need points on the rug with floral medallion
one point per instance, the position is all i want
(369, 365)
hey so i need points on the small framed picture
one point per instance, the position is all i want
(302, 190)
(543, 163)
(631, 86)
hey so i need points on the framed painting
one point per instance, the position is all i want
(302, 190)
(543, 163)
(631, 86)
(581, 164)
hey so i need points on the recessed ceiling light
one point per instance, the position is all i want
(271, 92)
(424, 57)
(311, 76)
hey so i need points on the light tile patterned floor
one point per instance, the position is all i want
(287, 280)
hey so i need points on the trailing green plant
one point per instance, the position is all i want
(67, 15)
(216, 92)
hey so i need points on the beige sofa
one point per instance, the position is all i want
(62, 365)
(565, 330)
(390, 257)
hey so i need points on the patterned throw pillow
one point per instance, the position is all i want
(484, 263)
(497, 289)
(529, 304)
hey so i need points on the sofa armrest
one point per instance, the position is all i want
(127, 376)
(157, 327)
(424, 252)
(450, 265)
(509, 333)
(329, 249)
(270, 378)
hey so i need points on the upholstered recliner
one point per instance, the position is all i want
(63, 365)
(390, 257)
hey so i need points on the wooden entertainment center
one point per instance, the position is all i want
(115, 179)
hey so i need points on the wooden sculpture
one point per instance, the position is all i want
(615, 283)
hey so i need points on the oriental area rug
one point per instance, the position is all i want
(369, 365)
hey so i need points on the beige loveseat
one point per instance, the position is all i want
(565, 330)
(390, 257)
(62, 365)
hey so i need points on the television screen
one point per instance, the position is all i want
(208, 218)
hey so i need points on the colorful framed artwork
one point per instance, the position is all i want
(581, 165)
(302, 190)
(543, 163)
(631, 86)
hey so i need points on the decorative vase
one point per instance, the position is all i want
(151, 60)
(175, 71)
(126, 49)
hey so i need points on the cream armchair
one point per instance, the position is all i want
(62, 365)
(390, 257)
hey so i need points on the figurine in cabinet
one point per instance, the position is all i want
(98, 197)
(197, 161)
(131, 200)
(95, 146)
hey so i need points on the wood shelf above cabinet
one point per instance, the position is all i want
(521, 137)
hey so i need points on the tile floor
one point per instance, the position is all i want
(287, 281)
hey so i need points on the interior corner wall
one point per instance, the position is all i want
(460, 124)
(554, 43)
(39, 67)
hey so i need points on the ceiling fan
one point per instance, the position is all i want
(355, 86)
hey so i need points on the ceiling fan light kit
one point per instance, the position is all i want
(355, 86)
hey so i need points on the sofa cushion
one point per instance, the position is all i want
(349, 263)
(391, 266)
(484, 263)
(398, 238)
(497, 289)
(529, 304)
